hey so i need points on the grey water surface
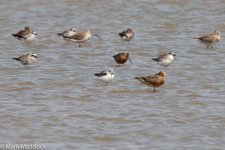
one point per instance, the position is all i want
(58, 101)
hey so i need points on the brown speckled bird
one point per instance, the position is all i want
(153, 81)
(121, 58)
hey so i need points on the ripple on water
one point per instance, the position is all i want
(59, 102)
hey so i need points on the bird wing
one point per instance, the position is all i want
(22, 58)
(78, 36)
(21, 34)
(125, 55)
(161, 56)
(121, 34)
(122, 56)
(155, 80)
(207, 38)
(62, 33)
(143, 80)
(103, 73)
(27, 29)
(152, 81)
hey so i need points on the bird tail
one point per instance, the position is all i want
(59, 34)
(15, 58)
(18, 36)
(15, 35)
(155, 59)
(196, 38)
(141, 79)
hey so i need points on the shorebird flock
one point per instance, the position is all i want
(165, 58)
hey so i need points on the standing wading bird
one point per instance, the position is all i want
(165, 58)
(210, 39)
(127, 35)
(121, 58)
(68, 33)
(153, 81)
(27, 59)
(106, 76)
(81, 37)
(27, 34)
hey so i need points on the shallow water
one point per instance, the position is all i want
(58, 102)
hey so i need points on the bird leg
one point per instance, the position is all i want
(98, 36)
(130, 61)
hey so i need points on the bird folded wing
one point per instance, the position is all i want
(103, 73)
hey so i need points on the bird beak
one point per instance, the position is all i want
(130, 61)
(35, 33)
(97, 36)
(174, 55)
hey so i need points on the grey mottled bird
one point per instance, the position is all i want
(27, 59)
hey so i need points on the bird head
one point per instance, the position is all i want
(172, 53)
(33, 55)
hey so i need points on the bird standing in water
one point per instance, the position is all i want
(153, 81)
(121, 58)
(27, 34)
(82, 37)
(165, 58)
(27, 59)
(209, 39)
(106, 76)
(127, 35)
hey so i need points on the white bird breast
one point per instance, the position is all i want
(167, 60)
(30, 37)
(107, 77)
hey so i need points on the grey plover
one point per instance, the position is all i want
(27, 59)
(165, 58)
